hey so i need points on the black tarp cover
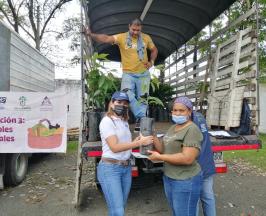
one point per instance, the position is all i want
(170, 23)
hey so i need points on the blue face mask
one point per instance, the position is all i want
(179, 119)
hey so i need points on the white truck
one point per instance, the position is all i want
(222, 83)
(23, 69)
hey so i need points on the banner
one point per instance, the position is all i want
(32, 122)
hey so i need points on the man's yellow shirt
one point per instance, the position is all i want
(129, 56)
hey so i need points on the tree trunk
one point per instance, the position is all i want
(37, 38)
(15, 15)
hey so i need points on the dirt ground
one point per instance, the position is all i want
(49, 190)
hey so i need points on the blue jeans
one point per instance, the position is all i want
(207, 197)
(115, 181)
(183, 195)
(138, 85)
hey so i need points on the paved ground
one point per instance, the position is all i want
(49, 190)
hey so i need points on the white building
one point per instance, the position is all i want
(73, 91)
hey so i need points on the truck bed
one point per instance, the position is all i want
(245, 142)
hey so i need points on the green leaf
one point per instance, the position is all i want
(101, 81)
(153, 87)
(160, 67)
(102, 56)
(97, 92)
(155, 101)
(113, 70)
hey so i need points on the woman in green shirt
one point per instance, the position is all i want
(179, 150)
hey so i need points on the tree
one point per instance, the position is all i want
(236, 10)
(71, 30)
(32, 16)
(243, 6)
(11, 12)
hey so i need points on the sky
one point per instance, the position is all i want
(61, 54)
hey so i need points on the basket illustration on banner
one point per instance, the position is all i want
(45, 137)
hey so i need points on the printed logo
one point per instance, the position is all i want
(23, 104)
(22, 101)
(2, 102)
(46, 104)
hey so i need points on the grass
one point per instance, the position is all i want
(254, 157)
(72, 146)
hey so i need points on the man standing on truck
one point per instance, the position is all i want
(133, 47)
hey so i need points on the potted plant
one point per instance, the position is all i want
(101, 83)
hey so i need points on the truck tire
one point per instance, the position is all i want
(16, 168)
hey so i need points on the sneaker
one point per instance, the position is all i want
(137, 125)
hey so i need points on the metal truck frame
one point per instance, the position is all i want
(220, 68)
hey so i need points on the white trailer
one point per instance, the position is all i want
(23, 69)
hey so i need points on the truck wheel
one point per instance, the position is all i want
(16, 169)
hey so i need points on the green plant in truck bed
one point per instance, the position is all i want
(100, 83)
